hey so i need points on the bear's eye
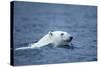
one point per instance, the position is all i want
(62, 34)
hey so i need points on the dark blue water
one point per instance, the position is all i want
(33, 20)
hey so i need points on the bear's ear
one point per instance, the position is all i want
(50, 33)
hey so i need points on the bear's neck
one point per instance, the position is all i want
(45, 40)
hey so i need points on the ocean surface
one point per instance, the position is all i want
(34, 20)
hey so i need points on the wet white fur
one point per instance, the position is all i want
(54, 38)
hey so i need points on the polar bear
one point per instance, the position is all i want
(56, 38)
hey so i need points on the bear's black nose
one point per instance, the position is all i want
(71, 38)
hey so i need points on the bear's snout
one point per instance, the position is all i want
(69, 39)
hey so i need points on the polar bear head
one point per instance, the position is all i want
(59, 38)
